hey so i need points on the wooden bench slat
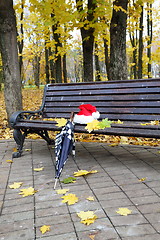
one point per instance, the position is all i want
(107, 110)
(153, 133)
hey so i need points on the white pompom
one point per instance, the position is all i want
(96, 115)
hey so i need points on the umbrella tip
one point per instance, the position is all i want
(55, 183)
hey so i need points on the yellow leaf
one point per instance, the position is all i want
(94, 125)
(60, 122)
(38, 169)
(90, 198)
(45, 228)
(16, 185)
(27, 192)
(144, 124)
(124, 211)
(27, 149)
(9, 161)
(14, 149)
(70, 199)
(83, 172)
(119, 122)
(156, 122)
(92, 236)
(62, 191)
(142, 179)
(114, 144)
(87, 217)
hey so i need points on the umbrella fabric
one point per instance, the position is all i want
(64, 144)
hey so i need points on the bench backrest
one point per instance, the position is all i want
(130, 100)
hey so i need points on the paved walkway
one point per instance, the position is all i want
(116, 185)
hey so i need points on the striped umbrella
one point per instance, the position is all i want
(64, 145)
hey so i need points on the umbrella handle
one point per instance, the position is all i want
(72, 116)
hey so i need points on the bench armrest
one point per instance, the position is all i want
(19, 115)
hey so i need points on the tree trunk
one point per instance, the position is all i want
(9, 52)
(107, 60)
(64, 69)
(118, 59)
(21, 42)
(36, 70)
(97, 65)
(149, 33)
(87, 34)
(58, 58)
(47, 64)
(140, 49)
(52, 67)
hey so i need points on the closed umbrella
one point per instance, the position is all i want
(64, 145)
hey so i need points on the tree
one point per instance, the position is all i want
(118, 59)
(87, 34)
(9, 53)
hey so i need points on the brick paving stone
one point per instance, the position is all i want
(16, 226)
(26, 234)
(144, 237)
(68, 236)
(99, 235)
(149, 208)
(128, 220)
(121, 202)
(56, 229)
(17, 202)
(62, 218)
(51, 211)
(146, 199)
(135, 230)
(19, 216)
(139, 193)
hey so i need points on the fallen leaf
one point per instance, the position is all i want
(92, 236)
(69, 180)
(14, 149)
(84, 172)
(124, 211)
(90, 198)
(60, 122)
(114, 144)
(87, 217)
(27, 149)
(38, 169)
(62, 191)
(27, 191)
(70, 199)
(94, 125)
(16, 185)
(45, 228)
(9, 161)
(156, 122)
(142, 179)
(118, 122)
(105, 123)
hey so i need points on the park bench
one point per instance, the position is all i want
(131, 101)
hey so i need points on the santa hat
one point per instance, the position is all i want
(86, 114)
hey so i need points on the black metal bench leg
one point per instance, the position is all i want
(19, 139)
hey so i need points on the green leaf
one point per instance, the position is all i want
(105, 123)
(69, 180)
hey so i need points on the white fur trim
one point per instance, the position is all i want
(82, 119)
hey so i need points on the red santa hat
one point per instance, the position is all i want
(86, 114)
